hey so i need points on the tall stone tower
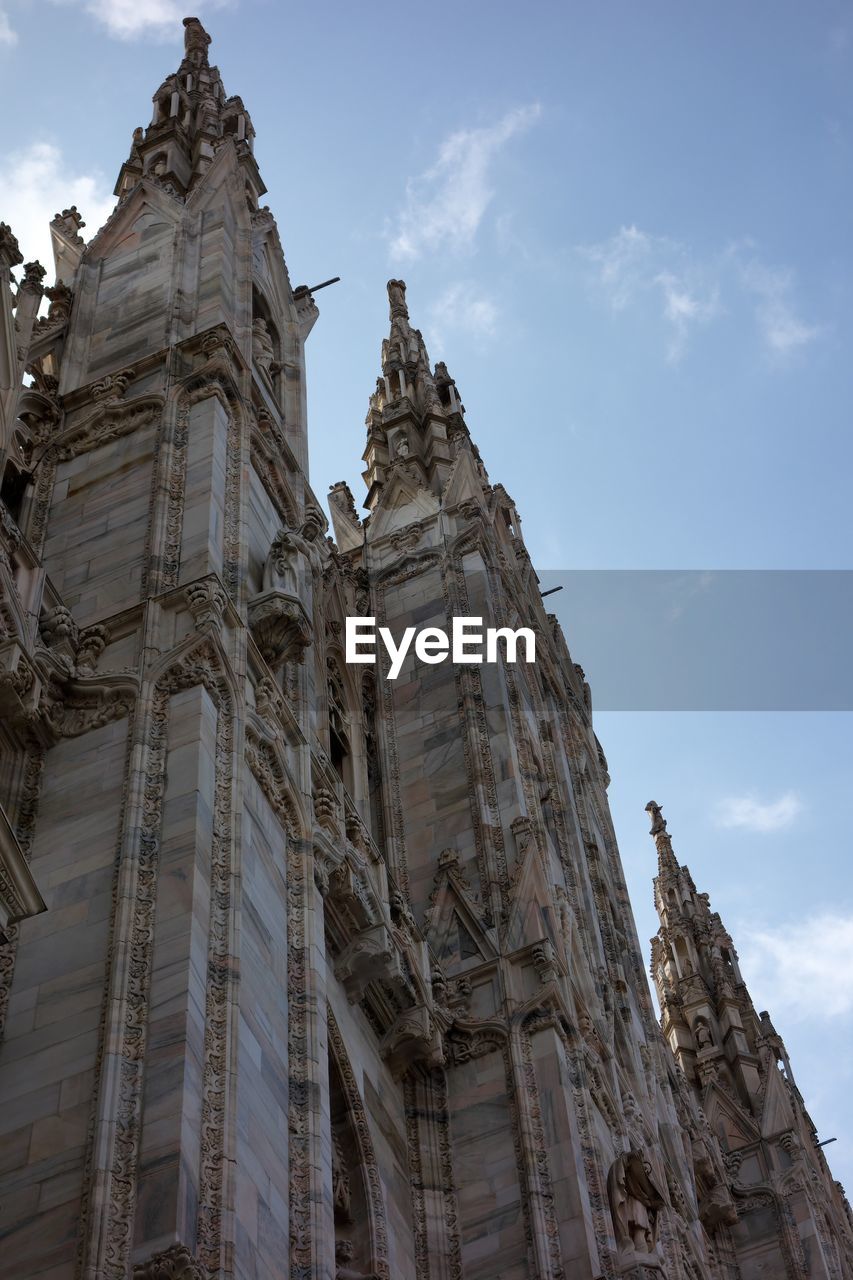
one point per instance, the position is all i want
(307, 973)
(792, 1218)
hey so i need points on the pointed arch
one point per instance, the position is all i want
(375, 1203)
(269, 767)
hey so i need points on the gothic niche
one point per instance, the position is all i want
(353, 1245)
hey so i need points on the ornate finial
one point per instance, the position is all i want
(10, 254)
(34, 274)
(69, 223)
(658, 820)
(397, 299)
(196, 38)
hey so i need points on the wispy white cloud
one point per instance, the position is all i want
(683, 307)
(462, 309)
(8, 36)
(621, 265)
(752, 814)
(445, 206)
(634, 268)
(781, 328)
(137, 19)
(803, 969)
(36, 182)
(634, 264)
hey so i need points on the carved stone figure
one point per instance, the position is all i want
(635, 1200)
(263, 352)
(658, 820)
(344, 1252)
(704, 1040)
(296, 556)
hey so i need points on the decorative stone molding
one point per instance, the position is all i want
(413, 1038)
(113, 419)
(71, 707)
(206, 600)
(59, 630)
(326, 809)
(370, 1166)
(269, 701)
(466, 1041)
(174, 1263)
(20, 685)
(280, 627)
(544, 962)
(367, 958)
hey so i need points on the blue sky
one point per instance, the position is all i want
(627, 229)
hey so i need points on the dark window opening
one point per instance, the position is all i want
(13, 490)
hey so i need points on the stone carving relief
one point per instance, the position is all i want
(174, 1263)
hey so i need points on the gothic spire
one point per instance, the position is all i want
(192, 117)
(415, 413)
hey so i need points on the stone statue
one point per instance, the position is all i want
(658, 820)
(295, 557)
(635, 1200)
(263, 352)
(704, 1039)
(344, 1251)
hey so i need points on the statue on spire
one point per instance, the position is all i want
(397, 299)
(196, 40)
(658, 820)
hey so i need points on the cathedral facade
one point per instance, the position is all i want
(307, 973)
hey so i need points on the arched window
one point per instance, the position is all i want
(359, 1211)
